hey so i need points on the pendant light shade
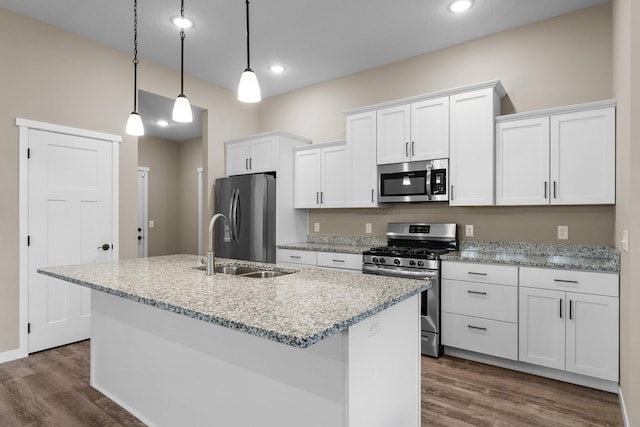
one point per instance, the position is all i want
(248, 88)
(182, 108)
(134, 123)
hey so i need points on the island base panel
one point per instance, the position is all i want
(169, 369)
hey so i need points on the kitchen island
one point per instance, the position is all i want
(314, 348)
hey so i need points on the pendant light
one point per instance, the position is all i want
(248, 88)
(134, 123)
(182, 109)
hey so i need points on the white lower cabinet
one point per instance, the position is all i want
(569, 321)
(296, 257)
(479, 304)
(324, 260)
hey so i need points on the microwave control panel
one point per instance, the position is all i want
(439, 181)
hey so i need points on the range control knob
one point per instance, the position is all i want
(382, 261)
(420, 264)
(396, 261)
(374, 260)
(412, 263)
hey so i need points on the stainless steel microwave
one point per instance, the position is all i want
(425, 181)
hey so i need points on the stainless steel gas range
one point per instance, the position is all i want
(413, 251)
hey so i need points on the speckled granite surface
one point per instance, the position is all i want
(297, 309)
(575, 257)
(337, 243)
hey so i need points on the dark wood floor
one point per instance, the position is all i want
(51, 388)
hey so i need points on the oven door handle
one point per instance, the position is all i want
(409, 273)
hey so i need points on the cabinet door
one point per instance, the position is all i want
(583, 157)
(307, 179)
(362, 170)
(237, 158)
(333, 173)
(393, 134)
(522, 162)
(263, 155)
(472, 147)
(541, 326)
(430, 129)
(592, 335)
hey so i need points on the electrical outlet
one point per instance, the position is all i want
(151, 223)
(367, 228)
(563, 232)
(625, 240)
(469, 230)
(316, 227)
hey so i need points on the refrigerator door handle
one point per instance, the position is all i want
(235, 220)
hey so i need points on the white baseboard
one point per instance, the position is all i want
(8, 356)
(569, 377)
(623, 408)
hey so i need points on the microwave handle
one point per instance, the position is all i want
(428, 178)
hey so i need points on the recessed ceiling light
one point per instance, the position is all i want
(162, 123)
(277, 68)
(460, 6)
(181, 22)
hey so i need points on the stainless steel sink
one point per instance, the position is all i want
(234, 270)
(265, 274)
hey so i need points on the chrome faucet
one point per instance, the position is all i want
(211, 261)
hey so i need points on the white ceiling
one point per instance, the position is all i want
(317, 40)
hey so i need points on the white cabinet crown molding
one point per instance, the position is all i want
(270, 133)
(51, 127)
(320, 145)
(557, 110)
(500, 90)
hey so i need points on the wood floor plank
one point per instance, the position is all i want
(51, 388)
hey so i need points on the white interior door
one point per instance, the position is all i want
(70, 219)
(143, 212)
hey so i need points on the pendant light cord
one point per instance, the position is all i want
(182, 35)
(248, 60)
(135, 55)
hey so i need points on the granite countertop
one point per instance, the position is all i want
(573, 257)
(298, 309)
(336, 243)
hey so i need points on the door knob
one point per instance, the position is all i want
(105, 247)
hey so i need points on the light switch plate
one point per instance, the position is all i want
(625, 240)
(151, 223)
(469, 230)
(367, 228)
(563, 232)
(316, 227)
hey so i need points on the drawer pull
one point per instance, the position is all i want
(477, 293)
(337, 260)
(477, 328)
(570, 309)
(561, 309)
(295, 256)
(476, 274)
(575, 282)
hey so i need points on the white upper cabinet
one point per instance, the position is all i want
(472, 129)
(362, 170)
(557, 156)
(320, 175)
(251, 156)
(412, 132)
(522, 162)
(583, 152)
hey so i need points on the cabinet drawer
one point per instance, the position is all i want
(480, 335)
(340, 260)
(292, 256)
(587, 282)
(486, 300)
(476, 272)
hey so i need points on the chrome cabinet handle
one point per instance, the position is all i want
(372, 195)
(575, 282)
(250, 163)
(337, 260)
(570, 309)
(477, 293)
(406, 149)
(295, 256)
(321, 197)
(545, 189)
(452, 192)
(476, 274)
(246, 164)
(555, 190)
(413, 146)
(561, 309)
(476, 327)
(317, 197)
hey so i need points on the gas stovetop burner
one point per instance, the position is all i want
(408, 252)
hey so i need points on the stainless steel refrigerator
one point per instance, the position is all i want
(249, 202)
